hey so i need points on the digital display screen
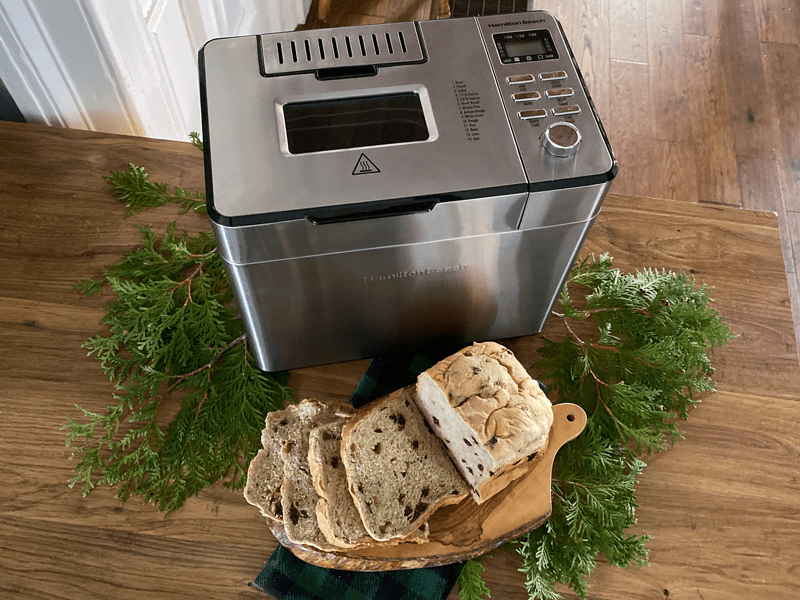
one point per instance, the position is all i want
(354, 122)
(525, 46)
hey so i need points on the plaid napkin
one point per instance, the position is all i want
(286, 577)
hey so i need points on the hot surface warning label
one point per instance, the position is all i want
(364, 166)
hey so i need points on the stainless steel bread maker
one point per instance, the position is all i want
(376, 189)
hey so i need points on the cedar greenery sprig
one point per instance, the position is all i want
(636, 373)
(138, 193)
(471, 585)
(196, 141)
(174, 345)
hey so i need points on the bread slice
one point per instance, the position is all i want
(259, 489)
(265, 472)
(337, 516)
(298, 496)
(397, 470)
(492, 416)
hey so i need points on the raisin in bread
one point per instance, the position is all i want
(337, 515)
(397, 470)
(265, 472)
(492, 416)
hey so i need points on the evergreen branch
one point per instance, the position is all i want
(636, 380)
(196, 141)
(173, 339)
(471, 585)
(137, 192)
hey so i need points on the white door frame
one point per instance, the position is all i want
(122, 66)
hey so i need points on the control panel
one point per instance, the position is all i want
(549, 110)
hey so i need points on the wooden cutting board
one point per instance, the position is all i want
(465, 530)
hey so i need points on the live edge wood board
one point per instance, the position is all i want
(723, 505)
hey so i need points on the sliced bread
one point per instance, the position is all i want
(337, 515)
(265, 472)
(298, 495)
(490, 413)
(397, 470)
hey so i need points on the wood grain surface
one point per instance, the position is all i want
(722, 505)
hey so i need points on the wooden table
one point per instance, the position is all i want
(723, 506)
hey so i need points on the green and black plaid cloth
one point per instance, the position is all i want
(286, 577)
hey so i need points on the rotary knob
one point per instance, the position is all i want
(561, 139)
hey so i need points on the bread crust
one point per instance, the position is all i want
(491, 414)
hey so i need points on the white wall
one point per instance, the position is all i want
(122, 66)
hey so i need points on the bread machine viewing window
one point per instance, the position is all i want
(335, 124)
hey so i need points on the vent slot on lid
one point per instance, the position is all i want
(297, 51)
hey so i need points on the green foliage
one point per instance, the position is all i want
(137, 192)
(471, 585)
(174, 346)
(196, 141)
(636, 376)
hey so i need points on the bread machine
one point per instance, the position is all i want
(375, 189)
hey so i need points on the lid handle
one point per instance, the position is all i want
(342, 214)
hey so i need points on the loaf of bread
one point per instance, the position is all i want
(492, 416)
(397, 470)
(337, 515)
(265, 474)
(298, 494)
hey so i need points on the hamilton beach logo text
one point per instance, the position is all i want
(406, 274)
(508, 23)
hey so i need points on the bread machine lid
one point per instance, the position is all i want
(305, 144)
(369, 121)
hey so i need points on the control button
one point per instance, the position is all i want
(561, 139)
(528, 115)
(569, 109)
(520, 79)
(526, 96)
(555, 75)
(560, 93)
